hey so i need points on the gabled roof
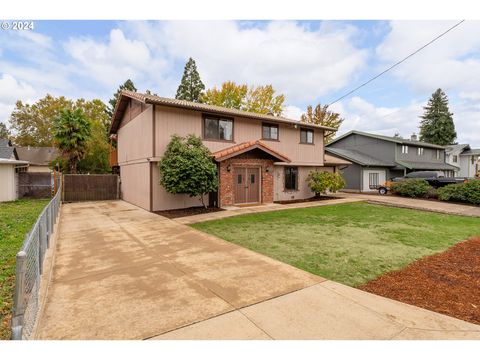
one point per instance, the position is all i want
(245, 147)
(358, 157)
(37, 155)
(471, 152)
(333, 160)
(126, 95)
(457, 147)
(416, 165)
(397, 140)
(7, 151)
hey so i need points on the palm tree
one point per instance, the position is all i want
(71, 134)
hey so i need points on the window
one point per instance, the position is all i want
(269, 132)
(306, 136)
(404, 149)
(454, 158)
(291, 178)
(438, 154)
(373, 180)
(239, 179)
(217, 128)
(420, 151)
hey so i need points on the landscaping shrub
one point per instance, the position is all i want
(431, 193)
(412, 188)
(466, 192)
(320, 182)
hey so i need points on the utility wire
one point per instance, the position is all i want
(397, 63)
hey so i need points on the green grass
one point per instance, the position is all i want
(349, 243)
(16, 219)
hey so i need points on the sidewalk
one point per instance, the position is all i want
(418, 204)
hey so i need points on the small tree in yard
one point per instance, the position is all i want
(187, 168)
(71, 133)
(320, 182)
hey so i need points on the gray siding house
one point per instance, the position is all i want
(377, 158)
(466, 158)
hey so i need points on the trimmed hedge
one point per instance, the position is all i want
(414, 188)
(468, 192)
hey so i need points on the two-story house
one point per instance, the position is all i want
(377, 158)
(465, 158)
(260, 158)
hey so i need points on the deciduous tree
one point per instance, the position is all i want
(260, 99)
(322, 116)
(187, 168)
(437, 125)
(320, 182)
(191, 86)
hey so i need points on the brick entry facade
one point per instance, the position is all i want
(250, 159)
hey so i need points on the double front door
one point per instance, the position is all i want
(247, 185)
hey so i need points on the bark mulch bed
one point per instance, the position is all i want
(178, 213)
(448, 282)
(315, 198)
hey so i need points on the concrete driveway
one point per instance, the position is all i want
(120, 272)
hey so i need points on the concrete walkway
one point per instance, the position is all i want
(234, 211)
(123, 273)
(404, 202)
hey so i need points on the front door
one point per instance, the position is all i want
(247, 185)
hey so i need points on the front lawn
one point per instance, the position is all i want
(16, 219)
(349, 243)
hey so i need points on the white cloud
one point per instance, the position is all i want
(10, 91)
(293, 112)
(451, 62)
(301, 63)
(114, 61)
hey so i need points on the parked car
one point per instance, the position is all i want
(435, 179)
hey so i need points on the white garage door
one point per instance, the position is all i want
(372, 179)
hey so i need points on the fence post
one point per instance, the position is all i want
(41, 239)
(19, 296)
(118, 187)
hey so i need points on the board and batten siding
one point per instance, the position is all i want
(136, 137)
(8, 185)
(302, 191)
(169, 121)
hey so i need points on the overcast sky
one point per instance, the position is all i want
(309, 62)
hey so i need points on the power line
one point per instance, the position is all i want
(397, 63)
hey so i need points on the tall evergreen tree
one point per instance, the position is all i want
(437, 125)
(4, 132)
(127, 85)
(191, 85)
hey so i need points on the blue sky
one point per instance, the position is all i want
(308, 61)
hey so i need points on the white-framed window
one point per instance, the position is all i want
(420, 151)
(404, 149)
(455, 158)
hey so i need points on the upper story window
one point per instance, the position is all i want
(306, 136)
(454, 158)
(420, 151)
(269, 132)
(217, 128)
(404, 149)
(438, 154)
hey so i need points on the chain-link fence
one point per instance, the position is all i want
(29, 268)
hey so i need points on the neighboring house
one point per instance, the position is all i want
(377, 158)
(7, 151)
(467, 159)
(260, 158)
(9, 178)
(38, 157)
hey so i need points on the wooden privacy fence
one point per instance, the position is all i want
(83, 187)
